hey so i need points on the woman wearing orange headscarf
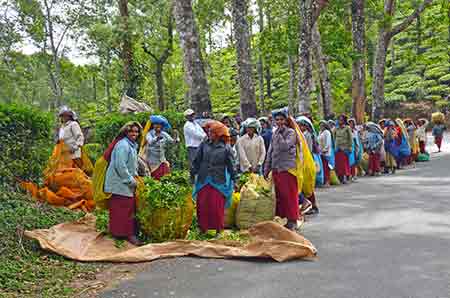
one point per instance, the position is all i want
(214, 170)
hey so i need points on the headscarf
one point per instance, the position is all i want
(251, 123)
(122, 134)
(307, 122)
(219, 130)
(331, 123)
(325, 123)
(161, 120)
(66, 110)
(374, 128)
(283, 112)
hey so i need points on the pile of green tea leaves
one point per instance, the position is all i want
(168, 193)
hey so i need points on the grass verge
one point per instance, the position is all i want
(26, 270)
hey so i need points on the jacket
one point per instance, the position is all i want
(343, 138)
(156, 148)
(282, 151)
(252, 152)
(70, 133)
(212, 160)
(122, 169)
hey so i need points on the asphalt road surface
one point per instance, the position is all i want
(384, 237)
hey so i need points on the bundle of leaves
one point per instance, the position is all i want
(26, 143)
(165, 207)
(26, 270)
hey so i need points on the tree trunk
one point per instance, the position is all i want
(107, 82)
(305, 66)
(244, 59)
(385, 35)
(260, 65)
(160, 86)
(94, 86)
(195, 76)
(129, 73)
(291, 66)
(359, 62)
(378, 75)
(325, 84)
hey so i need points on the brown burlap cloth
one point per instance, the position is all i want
(80, 241)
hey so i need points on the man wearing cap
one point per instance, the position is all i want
(193, 135)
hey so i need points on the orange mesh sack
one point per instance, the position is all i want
(60, 159)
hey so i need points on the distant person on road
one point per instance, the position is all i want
(326, 151)
(373, 145)
(438, 134)
(343, 136)
(422, 125)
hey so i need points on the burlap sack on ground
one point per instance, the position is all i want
(257, 202)
(80, 241)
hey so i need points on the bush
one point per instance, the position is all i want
(436, 73)
(26, 143)
(439, 90)
(445, 79)
(394, 97)
(107, 128)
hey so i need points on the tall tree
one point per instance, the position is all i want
(359, 61)
(48, 28)
(324, 78)
(260, 65)
(130, 76)
(244, 59)
(385, 34)
(193, 63)
(309, 13)
(158, 42)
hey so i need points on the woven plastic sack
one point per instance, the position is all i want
(365, 162)
(257, 202)
(334, 180)
(230, 213)
(167, 224)
(98, 182)
(437, 118)
(422, 157)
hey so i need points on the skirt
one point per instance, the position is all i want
(374, 162)
(422, 146)
(210, 209)
(438, 141)
(122, 216)
(161, 171)
(326, 170)
(286, 191)
(342, 164)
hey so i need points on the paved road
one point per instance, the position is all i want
(386, 237)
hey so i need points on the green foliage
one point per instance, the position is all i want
(94, 151)
(170, 192)
(394, 97)
(445, 79)
(436, 72)
(26, 143)
(26, 270)
(440, 90)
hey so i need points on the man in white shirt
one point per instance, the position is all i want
(193, 135)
